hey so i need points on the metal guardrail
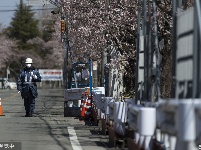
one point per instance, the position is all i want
(176, 123)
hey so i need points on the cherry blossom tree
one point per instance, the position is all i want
(93, 26)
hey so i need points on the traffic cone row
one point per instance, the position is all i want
(85, 107)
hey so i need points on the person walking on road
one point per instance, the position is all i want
(26, 85)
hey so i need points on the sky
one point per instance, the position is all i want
(7, 8)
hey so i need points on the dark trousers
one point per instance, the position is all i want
(29, 104)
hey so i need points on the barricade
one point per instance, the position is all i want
(166, 124)
(71, 111)
(118, 130)
(104, 114)
(143, 121)
(72, 102)
(98, 94)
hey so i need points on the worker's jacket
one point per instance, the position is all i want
(26, 83)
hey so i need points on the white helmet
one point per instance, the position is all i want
(28, 61)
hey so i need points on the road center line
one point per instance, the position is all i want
(13, 95)
(73, 139)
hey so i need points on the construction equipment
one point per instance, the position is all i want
(80, 75)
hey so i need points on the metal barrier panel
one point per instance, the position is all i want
(185, 54)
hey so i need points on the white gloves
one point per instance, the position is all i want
(34, 76)
(18, 92)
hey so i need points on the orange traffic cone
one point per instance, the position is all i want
(88, 107)
(86, 93)
(82, 109)
(1, 108)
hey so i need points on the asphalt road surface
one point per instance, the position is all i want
(48, 129)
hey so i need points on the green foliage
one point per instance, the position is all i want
(47, 32)
(23, 26)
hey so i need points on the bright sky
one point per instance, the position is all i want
(7, 8)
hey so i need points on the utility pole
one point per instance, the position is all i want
(66, 45)
(65, 39)
(64, 36)
(66, 42)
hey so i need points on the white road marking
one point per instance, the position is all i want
(73, 139)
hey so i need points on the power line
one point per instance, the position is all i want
(7, 6)
(9, 10)
(16, 6)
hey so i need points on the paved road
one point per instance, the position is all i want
(48, 129)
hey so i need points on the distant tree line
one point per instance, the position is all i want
(24, 38)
